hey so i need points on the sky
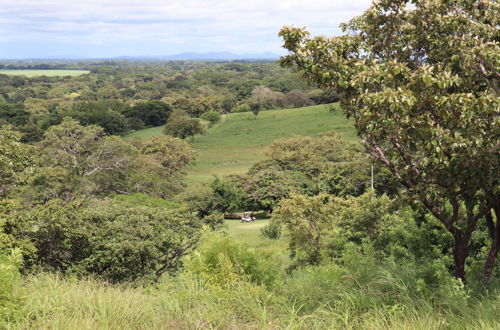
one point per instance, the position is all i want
(110, 28)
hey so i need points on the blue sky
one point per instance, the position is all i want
(107, 28)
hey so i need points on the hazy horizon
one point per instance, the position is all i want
(110, 28)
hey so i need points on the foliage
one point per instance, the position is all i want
(78, 161)
(150, 113)
(328, 164)
(214, 221)
(211, 116)
(82, 160)
(322, 227)
(307, 165)
(265, 99)
(255, 107)
(221, 261)
(173, 154)
(363, 294)
(309, 221)
(106, 114)
(143, 200)
(55, 229)
(241, 108)
(10, 287)
(399, 80)
(220, 195)
(121, 96)
(15, 159)
(116, 241)
(265, 188)
(85, 150)
(138, 242)
(182, 127)
(271, 231)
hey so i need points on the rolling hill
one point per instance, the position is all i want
(240, 139)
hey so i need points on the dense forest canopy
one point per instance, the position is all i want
(123, 96)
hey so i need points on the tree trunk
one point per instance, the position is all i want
(460, 253)
(495, 246)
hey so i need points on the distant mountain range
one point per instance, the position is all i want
(227, 56)
(212, 56)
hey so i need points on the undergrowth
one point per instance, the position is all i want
(226, 284)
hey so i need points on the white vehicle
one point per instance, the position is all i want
(248, 217)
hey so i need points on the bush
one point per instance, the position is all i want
(211, 116)
(221, 261)
(241, 108)
(10, 293)
(220, 195)
(361, 282)
(214, 221)
(150, 113)
(271, 231)
(144, 200)
(183, 127)
(138, 242)
(117, 241)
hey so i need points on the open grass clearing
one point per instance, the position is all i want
(48, 73)
(240, 139)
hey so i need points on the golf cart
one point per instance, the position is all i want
(248, 217)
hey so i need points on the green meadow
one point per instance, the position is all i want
(48, 73)
(240, 139)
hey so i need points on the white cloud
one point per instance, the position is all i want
(165, 26)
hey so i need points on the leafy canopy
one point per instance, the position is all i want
(420, 79)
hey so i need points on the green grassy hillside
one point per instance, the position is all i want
(232, 146)
(48, 73)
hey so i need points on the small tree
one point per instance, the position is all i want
(182, 126)
(151, 113)
(211, 116)
(255, 107)
(420, 79)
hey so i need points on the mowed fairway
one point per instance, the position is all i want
(48, 73)
(240, 140)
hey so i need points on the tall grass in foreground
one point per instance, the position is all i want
(360, 294)
(189, 303)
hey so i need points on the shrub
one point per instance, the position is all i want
(361, 282)
(10, 293)
(220, 195)
(241, 108)
(150, 113)
(144, 200)
(183, 127)
(321, 227)
(214, 221)
(117, 241)
(221, 261)
(271, 231)
(138, 242)
(211, 116)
